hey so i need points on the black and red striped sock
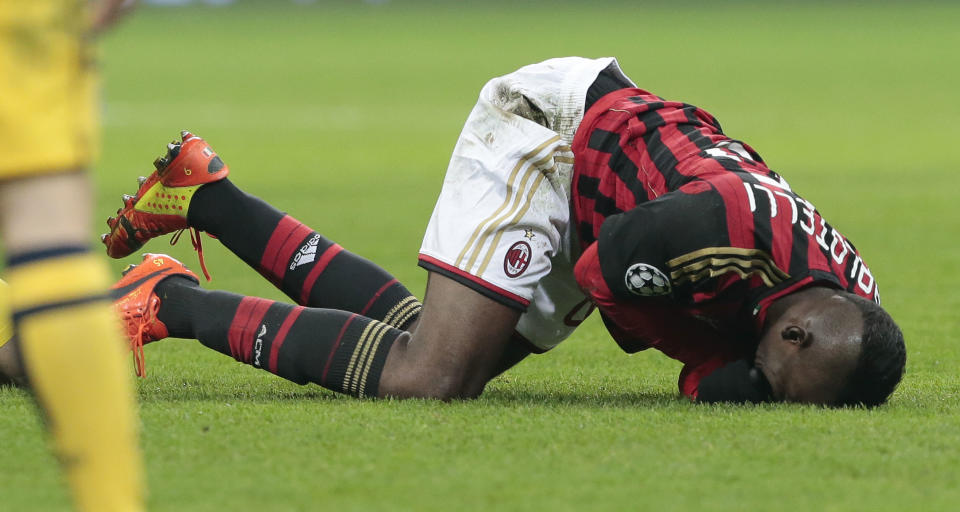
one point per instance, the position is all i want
(340, 351)
(310, 269)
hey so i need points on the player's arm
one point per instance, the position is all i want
(459, 344)
(660, 236)
(739, 381)
(657, 250)
(710, 372)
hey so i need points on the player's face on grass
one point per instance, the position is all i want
(809, 352)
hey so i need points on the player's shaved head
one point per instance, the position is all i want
(882, 359)
(829, 347)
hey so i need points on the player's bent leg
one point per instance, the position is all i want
(460, 343)
(309, 268)
(453, 354)
(69, 338)
(339, 350)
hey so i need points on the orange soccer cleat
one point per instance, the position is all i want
(137, 302)
(161, 203)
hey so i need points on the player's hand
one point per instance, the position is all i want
(736, 382)
(107, 12)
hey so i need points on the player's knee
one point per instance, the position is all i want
(435, 383)
(449, 385)
(413, 373)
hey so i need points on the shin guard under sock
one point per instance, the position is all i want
(340, 351)
(310, 269)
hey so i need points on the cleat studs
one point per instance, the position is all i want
(173, 149)
(127, 197)
(141, 180)
(158, 164)
(111, 221)
(103, 237)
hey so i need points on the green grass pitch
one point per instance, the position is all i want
(344, 114)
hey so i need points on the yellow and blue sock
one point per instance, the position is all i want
(71, 344)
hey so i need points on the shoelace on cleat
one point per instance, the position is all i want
(197, 246)
(142, 322)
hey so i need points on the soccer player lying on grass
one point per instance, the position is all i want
(568, 189)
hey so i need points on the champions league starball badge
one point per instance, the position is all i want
(646, 280)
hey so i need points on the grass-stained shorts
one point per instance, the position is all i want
(501, 225)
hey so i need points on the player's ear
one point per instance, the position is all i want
(796, 335)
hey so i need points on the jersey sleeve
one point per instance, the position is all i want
(679, 245)
(641, 324)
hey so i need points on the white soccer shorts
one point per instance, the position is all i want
(502, 222)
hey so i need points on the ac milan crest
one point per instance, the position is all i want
(517, 259)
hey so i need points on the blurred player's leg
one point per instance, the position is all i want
(191, 190)
(67, 334)
(69, 339)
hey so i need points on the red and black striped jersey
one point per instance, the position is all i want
(688, 216)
